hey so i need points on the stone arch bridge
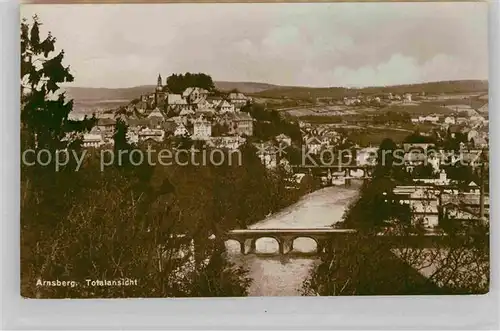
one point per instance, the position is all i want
(324, 238)
(285, 238)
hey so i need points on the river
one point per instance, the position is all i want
(281, 275)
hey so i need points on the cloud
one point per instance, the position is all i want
(398, 69)
(335, 44)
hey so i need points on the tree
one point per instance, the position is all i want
(220, 129)
(385, 158)
(451, 141)
(423, 171)
(177, 83)
(417, 138)
(120, 136)
(376, 207)
(44, 110)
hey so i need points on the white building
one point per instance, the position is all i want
(194, 95)
(472, 134)
(237, 99)
(313, 144)
(202, 129)
(441, 181)
(428, 118)
(407, 97)
(93, 140)
(229, 142)
(225, 107)
(205, 106)
(151, 134)
(176, 101)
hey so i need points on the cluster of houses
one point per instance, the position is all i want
(451, 120)
(438, 197)
(195, 113)
(219, 121)
(316, 139)
(377, 99)
(271, 153)
(473, 116)
(475, 128)
(418, 154)
(431, 204)
(432, 198)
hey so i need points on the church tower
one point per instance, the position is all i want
(159, 86)
(159, 93)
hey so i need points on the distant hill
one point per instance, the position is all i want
(446, 87)
(88, 94)
(244, 87)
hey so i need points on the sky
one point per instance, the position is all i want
(319, 45)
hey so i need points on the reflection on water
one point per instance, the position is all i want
(281, 275)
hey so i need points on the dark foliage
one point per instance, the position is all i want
(417, 138)
(177, 83)
(392, 117)
(270, 123)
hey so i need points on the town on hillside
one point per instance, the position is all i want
(195, 113)
(443, 136)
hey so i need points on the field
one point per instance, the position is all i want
(423, 109)
(474, 102)
(374, 136)
(243, 87)
(327, 114)
(321, 111)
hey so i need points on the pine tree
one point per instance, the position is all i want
(44, 109)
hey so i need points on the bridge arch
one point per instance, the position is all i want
(267, 244)
(234, 245)
(301, 241)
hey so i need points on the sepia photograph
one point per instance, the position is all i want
(254, 149)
